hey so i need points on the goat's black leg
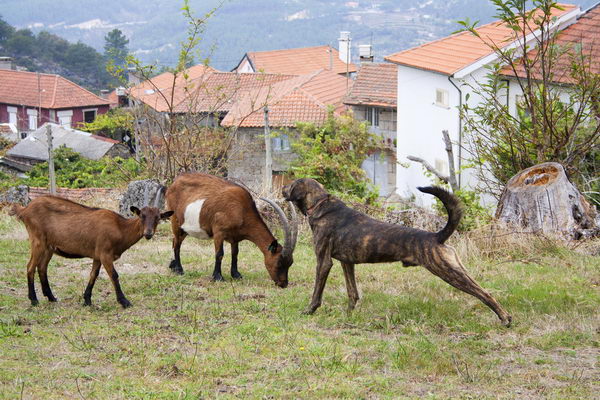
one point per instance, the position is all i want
(235, 274)
(31, 267)
(217, 275)
(43, 274)
(114, 277)
(178, 236)
(87, 295)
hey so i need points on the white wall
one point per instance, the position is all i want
(420, 125)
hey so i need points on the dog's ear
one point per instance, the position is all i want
(273, 247)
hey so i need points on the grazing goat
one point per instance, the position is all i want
(210, 207)
(60, 226)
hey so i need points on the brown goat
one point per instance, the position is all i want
(208, 207)
(60, 226)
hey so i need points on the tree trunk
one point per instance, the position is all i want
(542, 199)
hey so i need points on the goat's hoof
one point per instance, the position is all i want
(34, 303)
(125, 303)
(218, 278)
(176, 267)
(237, 275)
(87, 302)
(52, 299)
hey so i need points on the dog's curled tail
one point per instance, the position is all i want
(16, 209)
(453, 207)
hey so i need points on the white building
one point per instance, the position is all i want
(434, 80)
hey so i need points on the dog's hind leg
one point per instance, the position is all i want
(446, 265)
(350, 285)
(324, 264)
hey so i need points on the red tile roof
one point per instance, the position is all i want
(157, 92)
(306, 98)
(50, 92)
(584, 35)
(299, 61)
(375, 85)
(218, 91)
(453, 53)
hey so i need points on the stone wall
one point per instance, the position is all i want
(246, 158)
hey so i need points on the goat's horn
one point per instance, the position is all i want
(157, 197)
(288, 245)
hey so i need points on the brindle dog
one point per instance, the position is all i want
(354, 238)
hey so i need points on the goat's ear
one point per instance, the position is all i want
(135, 210)
(273, 247)
(166, 214)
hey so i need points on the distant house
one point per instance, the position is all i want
(28, 100)
(434, 79)
(34, 148)
(373, 99)
(305, 98)
(300, 61)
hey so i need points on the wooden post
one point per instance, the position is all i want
(51, 176)
(268, 180)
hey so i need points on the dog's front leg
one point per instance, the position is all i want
(324, 264)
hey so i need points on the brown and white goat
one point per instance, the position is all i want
(208, 207)
(59, 226)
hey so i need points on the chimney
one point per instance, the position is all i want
(344, 46)
(7, 63)
(133, 77)
(365, 52)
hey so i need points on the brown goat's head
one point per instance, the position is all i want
(278, 259)
(150, 216)
(278, 262)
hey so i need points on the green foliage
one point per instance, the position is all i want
(111, 124)
(74, 171)
(333, 154)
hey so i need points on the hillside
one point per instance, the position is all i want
(156, 27)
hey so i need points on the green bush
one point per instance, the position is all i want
(333, 154)
(74, 171)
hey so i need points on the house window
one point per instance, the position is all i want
(64, 118)
(32, 116)
(373, 116)
(441, 98)
(280, 143)
(89, 115)
(12, 115)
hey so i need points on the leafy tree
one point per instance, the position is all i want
(6, 30)
(333, 154)
(558, 116)
(116, 51)
(21, 43)
(113, 124)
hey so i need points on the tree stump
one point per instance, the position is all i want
(542, 199)
(141, 193)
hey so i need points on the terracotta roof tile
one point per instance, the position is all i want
(375, 85)
(584, 35)
(306, 98)
(453, 53)
(21, 88)
(157, 91)
(299, 61)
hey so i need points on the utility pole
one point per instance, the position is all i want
(51, 176)
(268, 158)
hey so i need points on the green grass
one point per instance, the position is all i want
(411, 335)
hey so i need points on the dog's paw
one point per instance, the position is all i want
(309, 310)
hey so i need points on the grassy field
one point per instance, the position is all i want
(411, 336)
